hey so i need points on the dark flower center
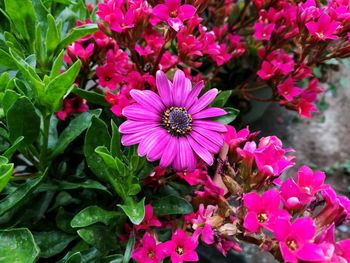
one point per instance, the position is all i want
(262, 217)
(179, 250)
(151, 254)
(292, 245)
(177, 121)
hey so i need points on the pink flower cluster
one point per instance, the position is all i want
(246, 201)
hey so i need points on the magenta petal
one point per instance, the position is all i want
(184, 159)
(128, 127)
(203, 153)
(310, 252)
(161, 11)
(215, 137)
(207, 234)
(156, 152)
(209, 113)
(204, 101)
(271, 199)
(251, 222)
(169, 153)
(253, 201)
(210, 125)
(186, 12)
(139, 113)
(191, 256)
(303, 228)
(147, 99)
(164, 88)
(130, 139)
(175, 23)
(287, 255)
(149, 141)
(194, 94)
(207, 144)
(179, 85)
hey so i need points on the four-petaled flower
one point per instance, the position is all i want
(174, 13)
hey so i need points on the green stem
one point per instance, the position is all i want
(43, 153)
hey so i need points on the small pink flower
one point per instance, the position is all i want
(72, 104)
(201, 223)
(312, 90)
(84, 53)
(336, 210)
(263, 31)
(107, 76)
(267, 70)
(305, 108)
(143, 51)
(263, 210)
(292, 196)
(149, 220)
(309, 182)
(270, 156)
(234, 138)
(288, 90)
(149, 252)
(180, 248)
(295, 240)
(324, 28)
(174, 13)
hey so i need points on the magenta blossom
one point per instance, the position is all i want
(234, 138)
(324, 28)
(263, 31)
(263, 210)
(174, 13)
(172, 126)
(271, 158)
(295, 240)
(288, 90)
(72, 104)
(84, 53)
(201, 223)
(267, 70)
(149, 220)
(149, 252)
(292, 196)
(180, 248)
(309, 182)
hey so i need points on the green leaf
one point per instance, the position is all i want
(59, 86)
(96, 135)
(22, 120)
(11, 150)
(113, 163)
(231, 115)
(128, 249)
(29, 73)
(23, 17)
(6, 60)
(53, 36)
(20, 194)
(171, 205)
(10, 97)
(115, 141)
(53, 242)
(73, 130)
(93, 214)
(91, 96)
(57, 65)
(78, 33)
(221, 99)
(17, 246)
(135, 211)
(100, 237)
(6, 171)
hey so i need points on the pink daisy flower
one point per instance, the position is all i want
(173, 126)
